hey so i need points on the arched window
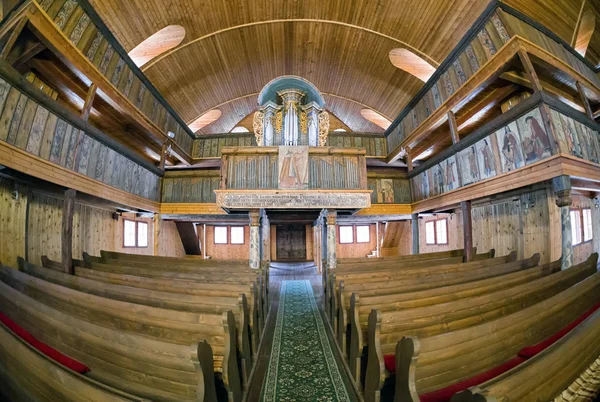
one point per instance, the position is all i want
(406, 60)
(240, 129)
(585, 32)
(340, 130)
(156, 44)
(375, 118)
(205, 120)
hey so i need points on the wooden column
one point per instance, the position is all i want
(254, 257)
(596, 222)
(530, 71)
(331, 238)
(163, 155)
(67, 231)
(266, 238)
(585, 101)
(156, 224)
(453, 127)
(562, 190)
(89, 101)
(467, 230)
(415, 233)
(409, 162)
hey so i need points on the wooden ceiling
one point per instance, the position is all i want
(233, 48)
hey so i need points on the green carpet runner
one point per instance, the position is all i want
(302, 365)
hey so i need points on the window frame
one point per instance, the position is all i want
(583, 226)
(136, 225)
(243, 235)
(340, 234)
(215, 235)
(580, 213)
(435, 232)
(356, 234)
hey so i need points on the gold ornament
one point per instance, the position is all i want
(323, 128)
(278, 121)
(303, 124)
(257, 124)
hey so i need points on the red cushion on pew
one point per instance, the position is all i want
(390, 363)
(42, 347)
(530, 351)
(444, 394)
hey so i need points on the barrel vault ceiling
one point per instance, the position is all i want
(233, 48)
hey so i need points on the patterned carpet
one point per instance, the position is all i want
(302, 365)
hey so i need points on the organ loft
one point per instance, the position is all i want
(278, 201)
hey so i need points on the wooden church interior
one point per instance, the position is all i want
(300, 201)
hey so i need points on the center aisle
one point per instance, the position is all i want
(302, 365)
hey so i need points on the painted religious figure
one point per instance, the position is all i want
(468, 165)
(485, 159)
(509, 143)
(587, 140)
(451, 173)
(386, 191)
(536, 143)
(425, 184)
(293, 168)
(568, 142)
(438, 179)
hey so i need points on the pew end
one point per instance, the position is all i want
(470, 395)
(355, 344)
(407, 354)
(202, 357)
(243, 339)
(375, 372)
(342, 320)
(231, 375)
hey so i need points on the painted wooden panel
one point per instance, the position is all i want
(32, 128)
(71, 19)
(374, 145)
(210, 146)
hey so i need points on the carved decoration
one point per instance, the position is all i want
(323, 128)
(303, 123)
(279, 121)
(257, 124)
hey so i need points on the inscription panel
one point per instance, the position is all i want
(293, 199)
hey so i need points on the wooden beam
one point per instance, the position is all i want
(89, 101)
(67, 231)
(465, 206)
(586, 103)
(530, 70)
(453, 127)
(163, 155)
(156, 226)
(409, 161)
(8, 46)
(189, 237)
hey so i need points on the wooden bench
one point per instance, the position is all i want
(424, 256)
(173, 301)
(150, 368)
(390, 274)
(28, 375)
(353, 317)
(176, 327)
(452, 347)
(546, 375)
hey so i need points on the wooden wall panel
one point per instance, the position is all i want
(210, 146)
(309, 242)
(375, 145)
(356, 250)
(582, 251)
(227, 251)
(12, 223)
(455, 233)
(169, 244)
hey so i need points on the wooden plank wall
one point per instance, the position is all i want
(389, 190)
(397, 238)
(582, 251)
(355, 250)
(374, 144)
(12, 222)
(455, 233)
(29, 126)
(170, 244)
(190, 186)
(70, 18)
(227, 251)
(481, 49)
(210, 146)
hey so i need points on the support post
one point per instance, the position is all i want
(562, 190)
(467, 230)
(409, 161)
(585, 101)
(530, 71)
(89, 101)
(156, 224)
(415, 233)
(163, 155)
(331, 238)
(67, 231)
(254, 239)
(266, 238)
(596, 222)
(453, 127)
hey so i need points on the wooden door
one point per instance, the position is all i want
(291, 242)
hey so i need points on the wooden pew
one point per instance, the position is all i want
(391, 274)
(173, 301)
(546, 375)
(353, 317)
(28, 375)
(176, 327)
(424, 256)
(56, 265)
(115, 255)
(150, 368)
(188, 287)
(455, 347)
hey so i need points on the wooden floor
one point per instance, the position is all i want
(280, 272)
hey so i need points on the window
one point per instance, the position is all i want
(157, 44)
(362, 234)
(346, 234)
(135, 234)
(237, 235)
(376, 118)
(587, 224)
(436, 232)
(581, 226)
(220, 234)
(413, 64)
(205, 119)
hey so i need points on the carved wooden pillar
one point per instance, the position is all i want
(415, 233)
(67, 231)
(266, 238)
(467, 230)
(331, 238)
(562, 190)
(596, 222)
(323, 241)
(254, 239)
